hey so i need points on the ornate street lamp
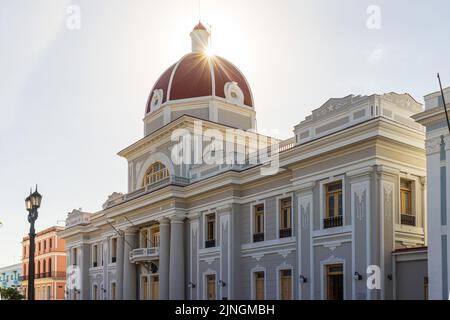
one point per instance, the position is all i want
(32, 204)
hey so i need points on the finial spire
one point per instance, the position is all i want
(200, 38)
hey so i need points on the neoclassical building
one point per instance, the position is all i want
(438, 173)
(346, 203)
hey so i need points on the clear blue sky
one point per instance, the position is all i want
(70, 99)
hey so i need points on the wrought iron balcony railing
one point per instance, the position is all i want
(408, 219)
(332, 222)
(258, 237)
(210, 243)
(286, 233)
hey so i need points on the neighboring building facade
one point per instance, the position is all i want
(349, 195)
(10, 276)
(50, 265)
(438, 173)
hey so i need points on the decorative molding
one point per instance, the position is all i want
(433, 145)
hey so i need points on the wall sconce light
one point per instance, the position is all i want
(303, 279)
(357, 276)
(389, 276)
(191, 285)
(222, 283)
(103, 289)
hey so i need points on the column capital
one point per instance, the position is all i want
(382, 169)
(193, 216)
(447, 142)
(227, 209)
(433, 145)
(366, 171)
(305, 187)
(164, 221)
(177, 218)
(130, 231)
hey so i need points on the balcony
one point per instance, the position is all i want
(44, 275)
(332, 222)
(210, 243)
(144, 254)
(258, 237)
(408, 220)
(286, 233)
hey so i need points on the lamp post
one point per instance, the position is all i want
(32, 203)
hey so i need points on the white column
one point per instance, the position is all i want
(164, 254)
(194, 245)
(119, 267)
(176, 273)
(304, 229)
(105, 258)
(129, 269)
(226, 246)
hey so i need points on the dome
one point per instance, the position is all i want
(199, 75)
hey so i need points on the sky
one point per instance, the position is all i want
(75, 77)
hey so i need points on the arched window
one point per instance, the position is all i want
(38, 267)
(156, 172)
(49, 265)
(43, 266)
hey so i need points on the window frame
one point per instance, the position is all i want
(114, 244)
(253, 221)
(335, 194)
(253, 272)
(323, 199)
(205, 229)
(279, 213)
(159, 174)
(279, 270)
(205, 285)
(409, 191)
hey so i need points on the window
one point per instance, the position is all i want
(144, 238)
(211, 287)
(286, 284)
(113, 250)
(333, 210)
(49, 290)
(113, 291)
(50, 243)
(259, 286)
(285, 218)
(258, 232)
(155, 287)
(210, 231)
(335, 282)
(95, 292)
(406, 213)
(45, 245)
(49, 265)
(39, 247)
(425, 288)
(155, 238)
(94, 256)
(74, 257)
(156, 172)
(144, 290)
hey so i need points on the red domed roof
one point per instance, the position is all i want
(199, 75)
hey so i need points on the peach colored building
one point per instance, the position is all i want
(50, 265)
